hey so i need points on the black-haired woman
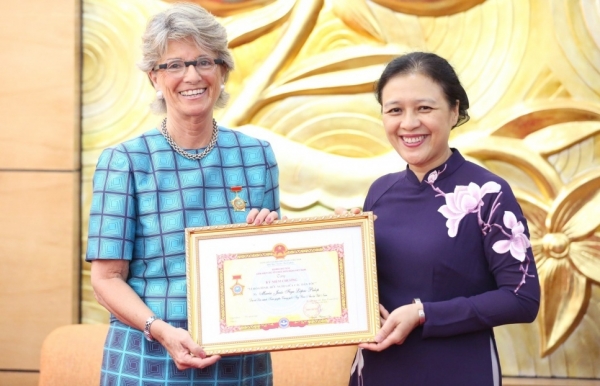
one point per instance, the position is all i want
(453, 252)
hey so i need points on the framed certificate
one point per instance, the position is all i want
(296, 283)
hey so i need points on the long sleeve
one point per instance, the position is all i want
(457, 240)
(510, 260)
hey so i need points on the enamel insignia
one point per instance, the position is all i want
(237, 288)
(239, 205)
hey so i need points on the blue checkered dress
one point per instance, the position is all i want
(145, 194)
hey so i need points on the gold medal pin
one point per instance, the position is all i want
(237, 288)
(239, 205)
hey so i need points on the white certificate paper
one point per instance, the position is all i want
(294, 284)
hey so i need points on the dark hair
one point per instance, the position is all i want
(434, 67)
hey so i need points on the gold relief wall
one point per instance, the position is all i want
(304, 81)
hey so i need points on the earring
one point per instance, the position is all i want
(222, 87)
(159, 95)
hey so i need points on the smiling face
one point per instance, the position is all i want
(417, 119)
(191, 95)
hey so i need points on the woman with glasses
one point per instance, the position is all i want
(189, 172)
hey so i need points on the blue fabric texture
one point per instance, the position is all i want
(144, 196)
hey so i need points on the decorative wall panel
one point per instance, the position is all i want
(304, 82)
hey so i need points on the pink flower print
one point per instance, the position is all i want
(464, 200)
(432, 177)
(518, 242)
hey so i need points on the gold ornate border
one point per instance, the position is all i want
(367, 266)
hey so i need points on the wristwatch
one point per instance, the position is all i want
(421, 312)
(149, 322)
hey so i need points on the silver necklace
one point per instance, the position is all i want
(180, 151)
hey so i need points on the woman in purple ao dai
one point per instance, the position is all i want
(452, 246)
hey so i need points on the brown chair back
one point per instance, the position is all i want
(72, 355)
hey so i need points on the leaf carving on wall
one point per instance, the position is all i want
(429, 7)
(359, 17)
(227, 8)
(563, 233)
(252, 25)
(570, 259)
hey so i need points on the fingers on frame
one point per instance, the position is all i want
(251, 215)
(339, 210)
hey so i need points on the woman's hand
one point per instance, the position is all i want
(395, 327)
(264, 216)
(113, 292)
(384, 315)
(340, 210)
(185, 352)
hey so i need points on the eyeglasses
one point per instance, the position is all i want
(177, 67)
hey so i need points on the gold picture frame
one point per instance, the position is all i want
(296, 283)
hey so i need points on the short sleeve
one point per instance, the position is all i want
(111, 231)
(271, 197)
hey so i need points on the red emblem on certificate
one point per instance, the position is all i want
(237, 288)
(239, 205)
(280, 251)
